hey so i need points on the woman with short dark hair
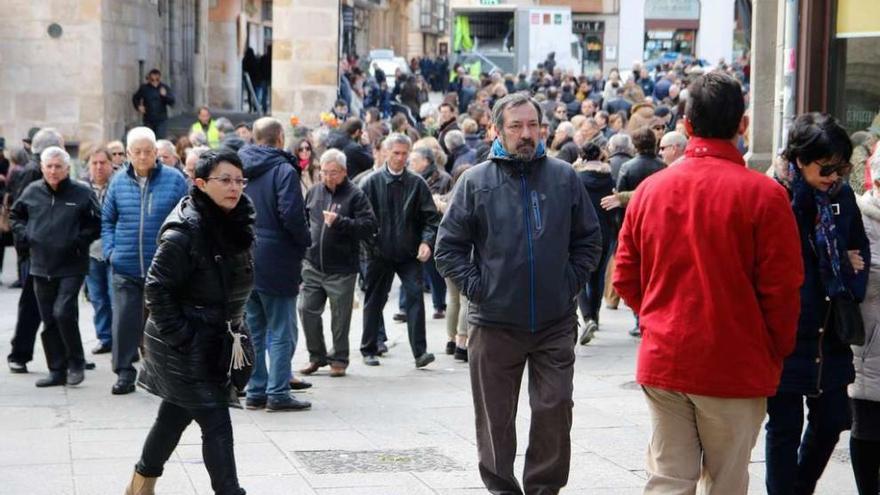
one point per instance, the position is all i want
(196, 289)
(835, 253)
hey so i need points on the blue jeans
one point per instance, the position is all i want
(98, 284)
(795, 463)
(272, 322)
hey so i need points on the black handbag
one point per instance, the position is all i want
(847, 319)
(241, 354)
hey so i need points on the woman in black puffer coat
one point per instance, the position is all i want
(196, 289)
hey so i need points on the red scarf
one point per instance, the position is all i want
(304, 164)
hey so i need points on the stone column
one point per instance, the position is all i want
(305, 56)
(765, 48)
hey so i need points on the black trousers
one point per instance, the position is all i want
(379, 276)
(217, 447)
(28, 321)
(57, 300)
(498, 357)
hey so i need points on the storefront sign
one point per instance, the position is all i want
(858, 18)
(672, 9)
(588, 26)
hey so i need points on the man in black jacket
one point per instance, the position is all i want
(348, 140)
(340, 218)
(55, 220)
(28, 321)
(152, 100)
(520, 239)
(407, 227)
(568, 149)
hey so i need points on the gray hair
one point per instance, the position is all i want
(224, 125)
(620, 142)
(453, 139)
(512, 101)
(166, 145)
(566, 128)
(334, 156)
(396, 138)
(675, 138)
(197, 151)
(19, 155)
(45, 138)
(54, 152)
(140, 134)
(427, 153)
(198, 138)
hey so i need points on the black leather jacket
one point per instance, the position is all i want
(400, 232)
(200, 279)
(56, 227)
(519, 240)
(334, 249)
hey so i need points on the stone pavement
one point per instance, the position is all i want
(386, 430)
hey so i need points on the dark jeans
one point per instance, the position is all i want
(28, 321)
(379, 275)
(159, 127)
(98, 285)
(497, 359)
(317, 289)
(57, 300)
(217, 450)
(794, 464)
(590, 300)
(435, 283)
(128, 324)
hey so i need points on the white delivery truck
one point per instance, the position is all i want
(514, 39)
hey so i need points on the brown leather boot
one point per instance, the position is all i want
(141, 485)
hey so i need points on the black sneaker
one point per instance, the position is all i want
(371, 361)
(253, 403)
(399, 317)
(287, 404)
(75, 376)
(16, 367)
(122, 387)
(55, 379)
(424, 360)
(102, 348)
(381, 349)
(461, 354)
(590, 327)
(450, 348)
(636, 332)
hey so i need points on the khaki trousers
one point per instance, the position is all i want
(612, 300)
(701, 440)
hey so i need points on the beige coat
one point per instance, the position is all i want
(867, 358)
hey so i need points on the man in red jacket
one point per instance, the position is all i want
(709, 257)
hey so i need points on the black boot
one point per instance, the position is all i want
(54, 379)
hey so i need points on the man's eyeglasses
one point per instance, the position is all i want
(228, 181)
(840, 169)
(118, 153)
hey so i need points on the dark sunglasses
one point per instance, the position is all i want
(304, 148)
(840, 169)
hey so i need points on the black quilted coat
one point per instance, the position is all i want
(187, 346)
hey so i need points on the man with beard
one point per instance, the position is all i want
(520, 239)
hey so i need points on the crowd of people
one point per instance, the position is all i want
(517, 203)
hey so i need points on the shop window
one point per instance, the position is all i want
(854, 86)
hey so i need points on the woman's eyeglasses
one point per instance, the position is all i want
(228, 181)
(840, 169)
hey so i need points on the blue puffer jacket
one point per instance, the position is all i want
(131, 218)
(282, 229)
(821, 361)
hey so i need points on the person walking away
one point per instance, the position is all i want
(864, 392)
(282, 239)
(511, 221)
(55, 220)
(196, 290)
(152, 100)
(99, 275)
(28, 316)
(715, 328)
(634, 172)
(835, 252)
(596, 179)
(340, 217)
(407, 221)
(137, 201)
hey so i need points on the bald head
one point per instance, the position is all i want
(269, 132)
